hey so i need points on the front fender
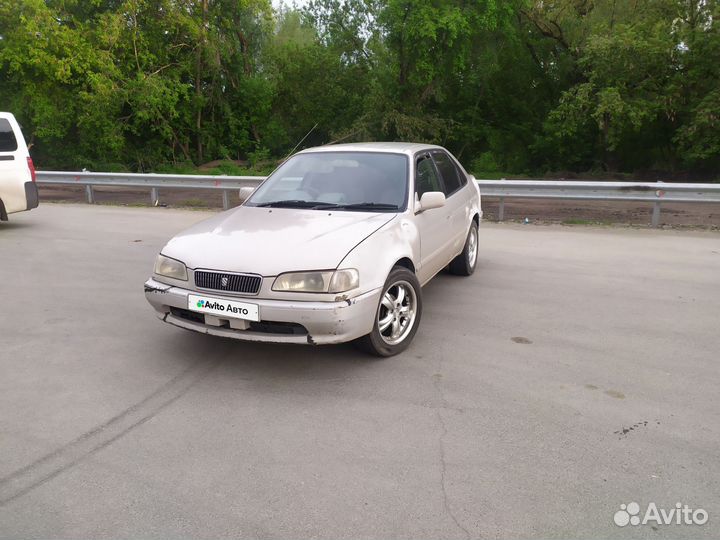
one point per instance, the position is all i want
(375, 256)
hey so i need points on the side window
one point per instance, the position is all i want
(452, 178)
(7, 137)
(426, 178)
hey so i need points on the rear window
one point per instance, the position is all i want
(7, 137)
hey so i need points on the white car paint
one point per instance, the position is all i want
(18, 191)
(271, 241)
(246, 239)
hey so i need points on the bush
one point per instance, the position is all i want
(485, 163)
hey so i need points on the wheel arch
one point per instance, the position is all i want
(405, 262)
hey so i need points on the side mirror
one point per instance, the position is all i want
(245, 192)
(430, 200)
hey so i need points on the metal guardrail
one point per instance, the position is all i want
(656, 193)
(154, 182)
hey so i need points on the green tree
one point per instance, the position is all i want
(518, 86)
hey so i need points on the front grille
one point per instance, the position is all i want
(262, 327)
(219, 281)
(188, 315)
(272, 327)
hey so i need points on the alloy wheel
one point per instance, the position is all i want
(397, 312)
(472, 247)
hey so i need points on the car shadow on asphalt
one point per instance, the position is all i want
(10, 225)
(278, 361)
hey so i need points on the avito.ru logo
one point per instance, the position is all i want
(629, 514)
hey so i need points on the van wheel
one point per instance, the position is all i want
(464, 264)
(397, 316)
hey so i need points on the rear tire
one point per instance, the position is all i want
(465, 263)
(397, 316)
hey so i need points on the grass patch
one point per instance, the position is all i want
(130, 204)
(580, 221)
(193, 203)
(496, 175)
(176, 168)
(227, 168)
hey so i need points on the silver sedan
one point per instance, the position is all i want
(333, 246)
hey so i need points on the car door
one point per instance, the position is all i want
(433, 225)
(14, 170)
(457, 205)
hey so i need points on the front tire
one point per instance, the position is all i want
(397, 316)
(465, 263)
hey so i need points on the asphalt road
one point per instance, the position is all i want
(577, 370)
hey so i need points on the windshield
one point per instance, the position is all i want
(360, 181)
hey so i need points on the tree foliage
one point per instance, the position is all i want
(519, 86)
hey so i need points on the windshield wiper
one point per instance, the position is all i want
(358, 206)
(319, 205)
(290, 203)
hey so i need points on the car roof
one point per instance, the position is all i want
(394, 147)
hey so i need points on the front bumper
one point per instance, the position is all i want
(281, 321)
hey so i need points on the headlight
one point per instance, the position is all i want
(165, 266)
(318, 282)
(344, 280)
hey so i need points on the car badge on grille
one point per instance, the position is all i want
(224, 281)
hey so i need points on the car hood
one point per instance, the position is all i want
(269, 241)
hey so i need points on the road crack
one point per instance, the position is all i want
(443, 462)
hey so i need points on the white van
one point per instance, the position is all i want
(18, 190)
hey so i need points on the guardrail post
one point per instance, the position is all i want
(89, 194)
(656, 214)
(226, 199)
(154, 196)
(501, 206)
